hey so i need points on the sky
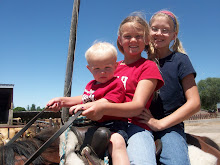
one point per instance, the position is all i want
(34, 40)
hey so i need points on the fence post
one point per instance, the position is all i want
(70, 58)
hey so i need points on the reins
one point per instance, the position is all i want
(25, 127)
(53, 138)
(49, 141)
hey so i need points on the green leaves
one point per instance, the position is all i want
(209, 91)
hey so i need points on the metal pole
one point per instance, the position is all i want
(70, 58)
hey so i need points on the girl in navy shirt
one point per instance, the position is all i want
(178, 99)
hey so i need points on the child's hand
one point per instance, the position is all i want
(92, 110)
(76, 108)
(147, 118)
(54, 104)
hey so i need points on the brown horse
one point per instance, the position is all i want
(205, 144)
(23, 149)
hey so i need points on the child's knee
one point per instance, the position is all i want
(117, 140)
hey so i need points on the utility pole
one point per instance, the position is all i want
(70, 58)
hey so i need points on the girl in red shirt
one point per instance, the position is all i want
(141, 77)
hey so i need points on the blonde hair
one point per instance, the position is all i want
(139, 18)
(177, 45)
(99, 48)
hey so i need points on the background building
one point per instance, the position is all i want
(6, 103)
(218, 107)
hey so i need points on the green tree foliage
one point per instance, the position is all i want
(19, 109)
(209, 91)
(39, 109)
(33, 107)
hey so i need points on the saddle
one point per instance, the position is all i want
(94, 140)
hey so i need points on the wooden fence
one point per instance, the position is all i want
(199, 116)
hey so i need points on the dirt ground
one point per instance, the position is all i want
(204, 127)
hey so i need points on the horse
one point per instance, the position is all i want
(202, 150)
(19, 151)
(203, 145)
(69, 154)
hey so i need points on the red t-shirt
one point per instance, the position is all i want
(113, 90)
(131, 74)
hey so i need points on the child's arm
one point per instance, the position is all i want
(143, 92)
(191, 106)
(78, 107)
(57, 103)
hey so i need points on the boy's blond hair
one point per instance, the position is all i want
(99, 48)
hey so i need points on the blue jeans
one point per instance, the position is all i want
(174, 146)
(116, 126)
(141, 146)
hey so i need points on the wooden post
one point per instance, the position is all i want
(70, 58)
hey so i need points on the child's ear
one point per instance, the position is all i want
(116, 65)
(87, 66)
(175, 36)
(147, 39)
(119, 40)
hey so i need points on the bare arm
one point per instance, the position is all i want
(78, 107)
(191, 106)
(142, 94)
(57, 103)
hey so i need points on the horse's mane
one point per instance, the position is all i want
(27, 147)
(194, 140)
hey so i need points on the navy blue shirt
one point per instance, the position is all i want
(171, 96)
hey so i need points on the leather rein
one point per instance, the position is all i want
(50, 140)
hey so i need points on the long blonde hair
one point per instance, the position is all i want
(177, 45)
(137, 17)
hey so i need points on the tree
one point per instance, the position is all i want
(33, 107)
(209, 91)
(19, 109)
(39, 109)
(28, 108)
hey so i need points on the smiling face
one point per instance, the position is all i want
(162, 31)
(102, 67)
(132, 39)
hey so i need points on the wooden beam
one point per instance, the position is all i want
(70, 58)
